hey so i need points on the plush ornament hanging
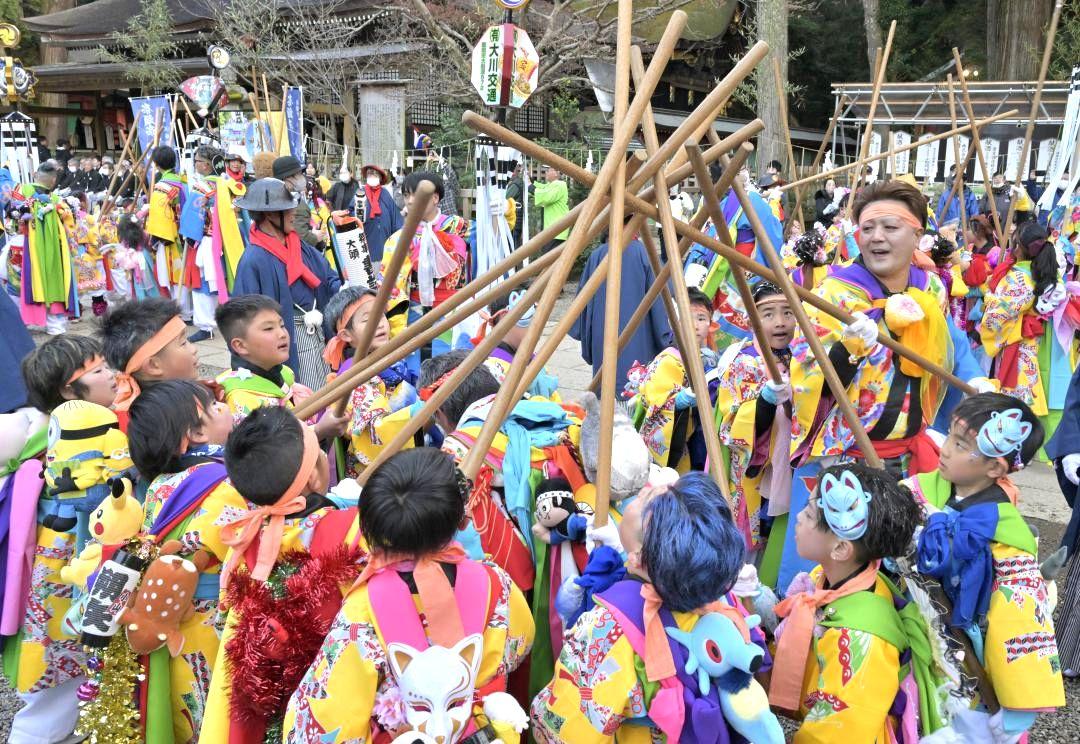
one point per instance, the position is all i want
(313, 321)
(901, 311)
(558, 516)
(164, 601)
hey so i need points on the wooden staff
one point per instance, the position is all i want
(681, 322)
(1033, 115)
(828, 133)
(879, 80)
(471, 362)
(956, 154)
(187, 110)
(897, 150)
(712, 204)
(269, 106)
(839, 390)
(406, 343)
(254, 99)
(421, 199)
(125, 151)
(609, 379)
(781, 92)
(957, 183)
(660, 283)
(281, 124)
(987, 174)
(576, 242)
(864, 142)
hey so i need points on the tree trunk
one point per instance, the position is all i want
(1015, 34)
(872, 25)
(55, 127)
(772, 21)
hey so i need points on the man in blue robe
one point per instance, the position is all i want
(382, 218)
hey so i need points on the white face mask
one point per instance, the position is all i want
(374, 181)
(344, 176)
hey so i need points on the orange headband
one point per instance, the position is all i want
(127, 388)
(95, 362)
(890, 208)
(242, 531)
(334, 353)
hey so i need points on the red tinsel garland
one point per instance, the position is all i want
(275, 640)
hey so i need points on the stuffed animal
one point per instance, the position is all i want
(437, 686)
(634, 377)
(720, 652)
(117, 518)
(86, 448)
(163, 601)
(558, 515)
(630, 456)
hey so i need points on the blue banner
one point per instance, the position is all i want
(294, 122)
(145, 110)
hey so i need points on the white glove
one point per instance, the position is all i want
(607, 535)
(776, 393)
(1014, 190)
(502, 707)
(497, 208)
(1070, 464)
(983, 385)
(862, 328)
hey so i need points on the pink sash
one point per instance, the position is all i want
(22, 542)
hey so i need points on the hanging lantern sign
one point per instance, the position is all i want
(505, 66)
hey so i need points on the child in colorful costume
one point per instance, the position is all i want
(754, 421)
(664, 401)
(48, 276)
(130, 261)
(167, 200)
(998, 594)
(373, 400)
(1012, 323)
(421, 621)
(627, 669)
(178, 432)
(893, 397)
(844, 680)
(291, 555)
(437, 265)
(146, 342)
(42, 662)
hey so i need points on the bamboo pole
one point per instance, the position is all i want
(1036, 101)
(712, 205)
(828, 133)
(576, 242)
(421, 199)
(149, 154)
(781, 93)
(660, 282)
(617, 240)
(681, 322)
(125, 151)
(838, 389)
(281, 131)
(254, 99)
(864, 141)
(987, 173)
(187, 109)
(957, 183)
(956, 154)
(897, 150)
(879, 80)
(269, 111)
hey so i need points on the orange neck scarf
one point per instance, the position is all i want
(242, 531)
(793, 648)
(436, 595)
(127, 388)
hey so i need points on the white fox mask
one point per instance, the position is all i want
(437, 686)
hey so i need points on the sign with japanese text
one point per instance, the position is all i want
(505, 66)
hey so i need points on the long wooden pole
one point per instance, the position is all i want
(280, 138)
(896, 150)
(828, 134)
(716, 212)
(977, 141)
(1034, 114)
(421, 200)
(879, 80)
(609, 378)
(682, 322)
(781, 94)
(660, 283)
(838, 389)
(125, 151)
(253, 97)
(576, 242)
(956, 154)
(957, 183)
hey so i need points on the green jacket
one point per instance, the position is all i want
(554, 197)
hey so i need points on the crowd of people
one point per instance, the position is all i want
(187, 560)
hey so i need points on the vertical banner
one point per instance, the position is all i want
(294, 122)
(382, 122)
(991, 150)
(1012, 159)
(950, 153)
(926, 159)
(1046, 153)
(145, 110)
(903, 159)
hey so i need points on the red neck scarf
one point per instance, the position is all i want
(373, 208)
(999, 272)
(289, 253)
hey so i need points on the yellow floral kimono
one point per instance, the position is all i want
(372, 424)
(851, 680)
(1007, 309)
(350, 685)
(189, 673)
(245, 391)
(1021, 654)
(298, 534)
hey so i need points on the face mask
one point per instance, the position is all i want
(344, 177)
(104, 171)
(374, 181)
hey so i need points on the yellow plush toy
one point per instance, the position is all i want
(116, 519)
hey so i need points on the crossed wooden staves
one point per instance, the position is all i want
(620, 187)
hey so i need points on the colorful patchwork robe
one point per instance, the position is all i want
(1011, 331)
